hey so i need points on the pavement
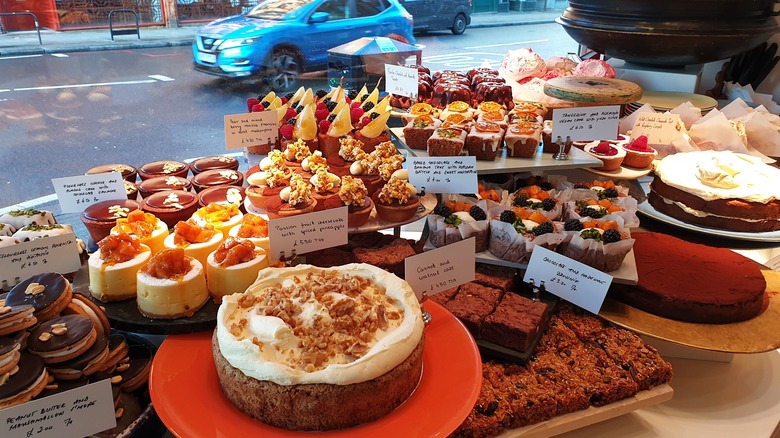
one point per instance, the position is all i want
(27, 43)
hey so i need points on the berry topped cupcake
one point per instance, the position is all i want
(515, 232)
(638, 154)
(458, 219)
(611, 156)
(597, 243)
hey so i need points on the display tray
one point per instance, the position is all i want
(503, 164)
(452, 373)
(124, 315)
(427, 203)
(621, 173)
(757, 335)
(648, 210)
(592, 415)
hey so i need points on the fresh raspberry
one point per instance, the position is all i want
(286, 131)
(355, 104)
(321, 106)
(640, 144)
(290, 113)
(257, 108)
(355, 114)
(251, 102)
(284, 100)
(321, 114)
(604, 148)
(366, 120)
(324, 126)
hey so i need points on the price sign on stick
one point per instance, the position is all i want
(401, 81)
(589, 123)
(442, 268)
(659, 128)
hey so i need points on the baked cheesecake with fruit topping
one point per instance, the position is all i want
(309, 348)
(113, 267)
(197, 241)
(146, 227)
(222, 216)
(171, 285)
(233, 267)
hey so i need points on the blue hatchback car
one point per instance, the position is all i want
(279, 39)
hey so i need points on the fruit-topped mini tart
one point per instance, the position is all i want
(600, 189)
(146, 227)
(341, 126)
(266, 183)
(602, 244)
(514, 232)
(350, 150)
(292, 200)
(197, 241)
(354, 194)
(457, 219)
(611, 156)
(373, 130)
(367, 170)
(397, 201)
(638, 154)
(326, 188)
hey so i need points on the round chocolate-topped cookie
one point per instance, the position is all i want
(117, 351)
(136, 374)
(25, 384)
(163, 184)
(222, 195)
(84, 364)
(9, 356)
(163, 168)
(213, 162)
(15, 318)
(171, 206)
(48, 293)
(62, 338)
(62, 386)
(81, 305)
(100, 217)
(217, 177)
(128, 172)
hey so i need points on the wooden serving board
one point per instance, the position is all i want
(602, 91)
(592, 415)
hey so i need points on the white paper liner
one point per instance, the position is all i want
(594, 253)
(507, 244)
(441, 233)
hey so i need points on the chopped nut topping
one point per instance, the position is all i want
(118, 211)
(119, 412)
(171, 167)
(123, 367)
(116, 379)
(225, 159)
(34, 289)
(59, 330)
(45, 336)
(4, 310)
(229, 174)
(233, 196)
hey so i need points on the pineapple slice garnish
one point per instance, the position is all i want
(306, 123)
(376, 127)
(342, 124)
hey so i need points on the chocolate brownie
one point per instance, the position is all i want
(489, 294)
(515, 322)
(471, 310)
(499, 277)
(445, 296)
(389, 257)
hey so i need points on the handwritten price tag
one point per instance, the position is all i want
(79, 412)
(584, 124)
(443, 174)
(659, 128)
(569, 279)
(250, 129)
(401, 81)
(307, 232)
(442, 268)
(75, 193)
(47, 254)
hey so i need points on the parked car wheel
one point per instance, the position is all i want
(282, 71)
(459, 25)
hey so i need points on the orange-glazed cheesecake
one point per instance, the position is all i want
(171, 285)
(113, 267)
(233, 267)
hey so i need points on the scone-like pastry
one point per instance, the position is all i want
(171, 285)
(233, 267)
(113, 267)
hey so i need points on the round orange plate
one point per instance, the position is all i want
(187, 396)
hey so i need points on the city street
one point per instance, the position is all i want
(61, 114)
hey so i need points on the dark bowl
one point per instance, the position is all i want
(669, 43)
(676, 9)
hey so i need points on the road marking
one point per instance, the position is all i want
(19, 57)
(97, 84)
(506, 44)
(60, 55)
(162, 78)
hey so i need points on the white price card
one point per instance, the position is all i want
(443, 174)
(569, 279)
(585, 124)
(442, 268)
(48, 254)
(659, 128)
(79, 412)
(304, 233)
(401, 81)
(75, 193)
(251, 129)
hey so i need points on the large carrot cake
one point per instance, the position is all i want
(310, 348)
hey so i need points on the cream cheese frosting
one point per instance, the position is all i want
(713, 175)
(264, 335)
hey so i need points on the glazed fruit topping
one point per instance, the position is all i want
(604, 148)
(253, 226)
(169, 263)
(137, 223)
(185, 233)
(640, 145)
(118, 248)
(234, 251)
(485, 126)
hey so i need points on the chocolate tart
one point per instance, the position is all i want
(217, 177)
(100, 217)
(129, 173)
(163, 168)
(171, 206)
(212, 163)
(163, 183)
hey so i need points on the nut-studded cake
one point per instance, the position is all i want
(310, 348)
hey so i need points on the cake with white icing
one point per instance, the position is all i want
(718, 189)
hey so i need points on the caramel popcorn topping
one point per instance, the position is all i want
(297, 151)
(324, 182)
(386, 149)
(396, 191)
(351, 149)
(275, 176)
(389, 165)
(300, 191)
(277, 158)
(316, 162)
(353, 191)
